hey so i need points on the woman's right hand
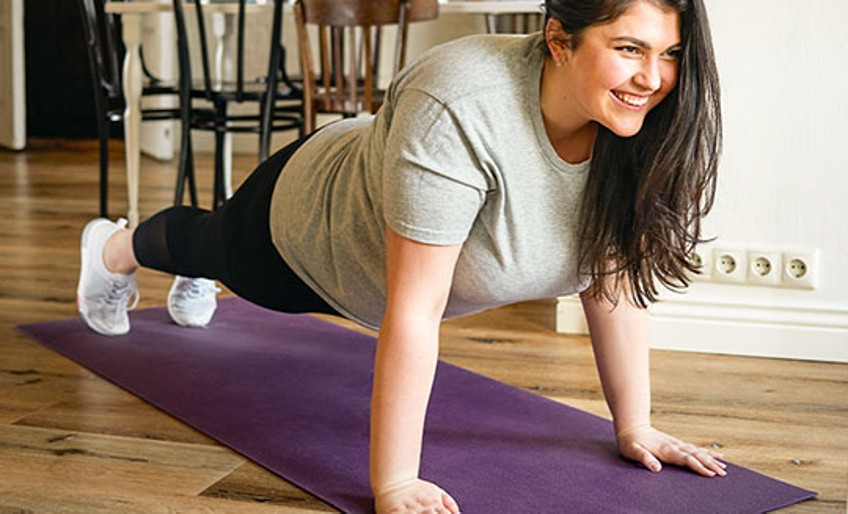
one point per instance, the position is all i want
(415, 496)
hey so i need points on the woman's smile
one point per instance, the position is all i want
(631, 100)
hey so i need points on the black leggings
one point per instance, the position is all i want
(231, 244)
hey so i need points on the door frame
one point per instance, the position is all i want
(12, 75)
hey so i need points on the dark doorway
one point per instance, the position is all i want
(59, 92)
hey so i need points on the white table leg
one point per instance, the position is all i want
(132, 113)
(223, 28)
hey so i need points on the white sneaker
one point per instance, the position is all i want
(102, 296)
(192, 301)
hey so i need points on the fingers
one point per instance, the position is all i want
(715, 454)
(713, 464)
(415, 497)
(450, 504)
(699, 460)
(640, 454)
(650, 447)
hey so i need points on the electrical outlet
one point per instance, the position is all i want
(764, 268)
(702, 258)
(757, 265)
(729, 265)
(800, 269)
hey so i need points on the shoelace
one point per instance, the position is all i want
(118, 297)
(199, 288)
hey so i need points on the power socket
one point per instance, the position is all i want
(764, 268)
(702, 258)
(800, 269)
(730, 264)
(756, 265)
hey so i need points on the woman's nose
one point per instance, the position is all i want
(649, 76)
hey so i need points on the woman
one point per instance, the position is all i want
(499, 169)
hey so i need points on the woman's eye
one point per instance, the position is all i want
(675, 53)
(629, 49)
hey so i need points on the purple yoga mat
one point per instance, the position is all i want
(291, 392)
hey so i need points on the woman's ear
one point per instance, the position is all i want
(558, 41)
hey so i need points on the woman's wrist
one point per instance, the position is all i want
(379, 488)
(628, 430)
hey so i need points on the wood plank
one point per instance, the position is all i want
(47, 458)
(118, 414)
(69, 499)
(250, 482)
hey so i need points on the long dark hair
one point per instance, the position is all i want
(646, 194)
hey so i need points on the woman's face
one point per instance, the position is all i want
(620, 70)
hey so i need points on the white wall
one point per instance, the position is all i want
(783, 183)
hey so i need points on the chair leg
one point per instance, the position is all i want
(185, 169)
(219, 191)
(192, 184)
(182, 172)
(284, 76)
(265, 126)
(185, 173)
(103, 135)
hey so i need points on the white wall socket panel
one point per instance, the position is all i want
(730, 264)
(756, 265)
(800, 269)
(702, 257)
(764, 268)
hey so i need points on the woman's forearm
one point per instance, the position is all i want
(407, 352)
(418, 282)
(620, 341)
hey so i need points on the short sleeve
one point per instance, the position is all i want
(433, 185)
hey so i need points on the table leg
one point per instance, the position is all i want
(223, 28)
(132, 114)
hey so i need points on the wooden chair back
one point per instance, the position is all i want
(514, 23)
(524, 23)
(349, 34)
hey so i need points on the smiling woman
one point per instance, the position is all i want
(498, 169)
(654, 162)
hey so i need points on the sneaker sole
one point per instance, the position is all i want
(86, 235)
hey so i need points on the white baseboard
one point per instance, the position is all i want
(807, 332)
(569, 316)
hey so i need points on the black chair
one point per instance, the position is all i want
(278, 101)
(104, 50)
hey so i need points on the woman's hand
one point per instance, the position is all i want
(415, 497)
(649, 446)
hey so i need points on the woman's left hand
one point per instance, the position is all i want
(650, 447)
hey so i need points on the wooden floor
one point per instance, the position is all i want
(71, 442)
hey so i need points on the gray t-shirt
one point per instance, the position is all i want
(457, 154)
